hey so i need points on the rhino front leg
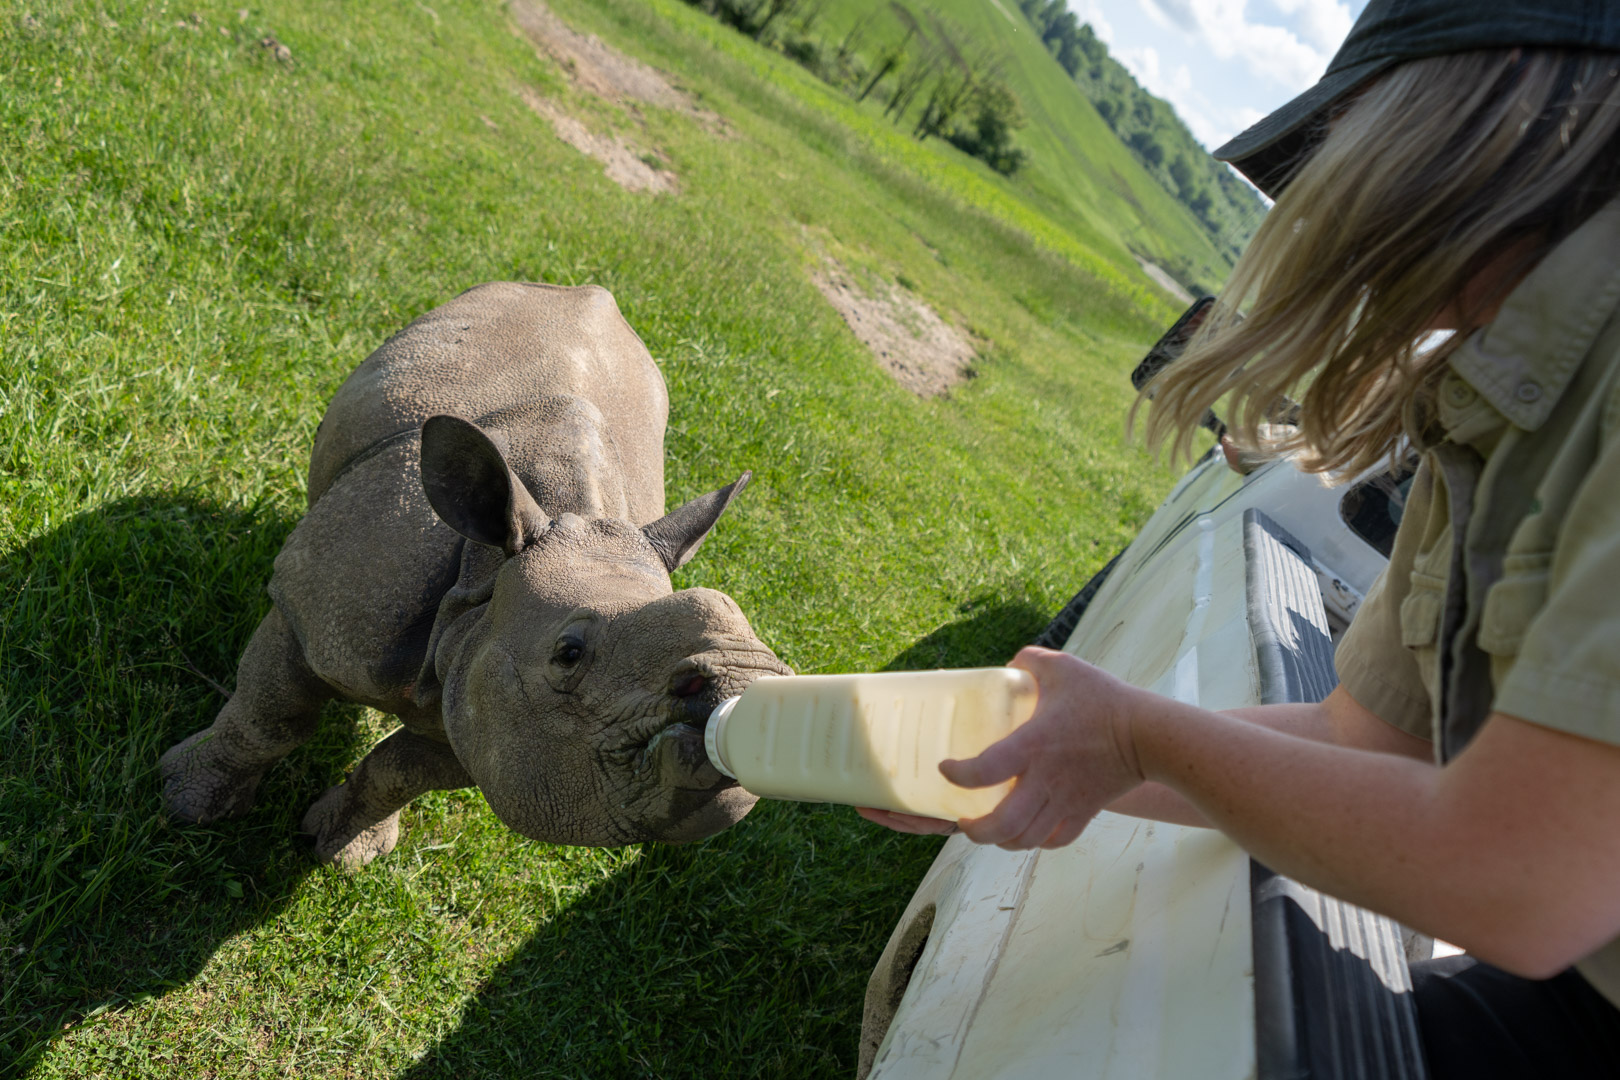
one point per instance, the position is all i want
(358, 820)
(215, 773)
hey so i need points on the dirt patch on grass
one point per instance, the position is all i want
(923, 352)
(625, 163)
(598, 68)
(602, 71)
(1165, 281)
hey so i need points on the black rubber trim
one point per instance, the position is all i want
(1170, 345)
(1332, 995)
(1061, 628)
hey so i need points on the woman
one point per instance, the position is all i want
(1458, 168)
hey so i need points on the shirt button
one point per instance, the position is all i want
(1528, 392)
(1460, 394)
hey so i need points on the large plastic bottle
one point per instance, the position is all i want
(869, 740)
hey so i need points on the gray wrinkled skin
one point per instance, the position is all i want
(486, 556)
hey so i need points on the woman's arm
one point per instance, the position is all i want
(1508, 851)
(1339, 720)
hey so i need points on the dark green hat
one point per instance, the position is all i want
(1390, 32)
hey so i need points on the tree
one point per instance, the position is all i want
(1063, 27)
(1181, 171)
(1069, 55)
(951, 90)
(1048, 14)
(956, 83)
(996, 114)
(909, 78)
(852, 40)
(892, 57)
(773, 9)
(1147, 147)
(1088, 43)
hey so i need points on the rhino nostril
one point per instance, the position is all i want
(691, 687)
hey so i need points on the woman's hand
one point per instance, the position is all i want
(1072, 758)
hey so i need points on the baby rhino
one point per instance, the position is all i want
(486, 556)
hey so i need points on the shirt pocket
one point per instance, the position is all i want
(1422, 609)
(1513, 601)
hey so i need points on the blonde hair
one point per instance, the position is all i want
(1424, 178)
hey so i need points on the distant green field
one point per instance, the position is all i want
(1079, 174)
(198, 241)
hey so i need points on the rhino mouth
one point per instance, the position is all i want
(696, 696)
(695, 690)
(682, 796)
(698, 773)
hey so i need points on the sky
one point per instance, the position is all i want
(1223, 64)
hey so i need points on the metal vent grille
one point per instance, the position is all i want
(1331, 989)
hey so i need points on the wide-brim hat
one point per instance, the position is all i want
(1390, 32)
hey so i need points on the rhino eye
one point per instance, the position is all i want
(571, 652)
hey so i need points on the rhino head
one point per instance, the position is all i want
(576, 680)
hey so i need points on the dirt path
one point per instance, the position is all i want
(598, 69)
(625, 163)
(923, 352)
(1164, 280)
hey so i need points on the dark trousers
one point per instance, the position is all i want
(1481, 1023)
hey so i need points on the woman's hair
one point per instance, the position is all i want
(1430, 173)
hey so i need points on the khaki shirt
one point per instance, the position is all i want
(1503, 588)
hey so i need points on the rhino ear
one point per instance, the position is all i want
(678, 534)
(473, 490)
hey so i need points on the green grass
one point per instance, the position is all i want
(197, 243)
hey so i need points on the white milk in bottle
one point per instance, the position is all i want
(869, 740)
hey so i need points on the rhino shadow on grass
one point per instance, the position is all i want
(747, 957)
(112, 625)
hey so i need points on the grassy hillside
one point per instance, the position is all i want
(205, 221)
(1079, 173)
(1229, 209)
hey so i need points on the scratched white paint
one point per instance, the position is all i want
(1122, 957)
(1126, 955)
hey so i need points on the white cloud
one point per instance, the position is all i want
(1090, 11)
(1271, 52)
(1209, 123)
(1143, 64)
(1156, 13)
(1194, 108)
(1247, 116)
(1323, 23)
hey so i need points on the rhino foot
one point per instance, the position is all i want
(345, 835)
(200, 786)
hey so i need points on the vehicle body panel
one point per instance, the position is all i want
(1129, 953)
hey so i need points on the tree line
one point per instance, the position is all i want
(922, 70)
(1228, 208)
